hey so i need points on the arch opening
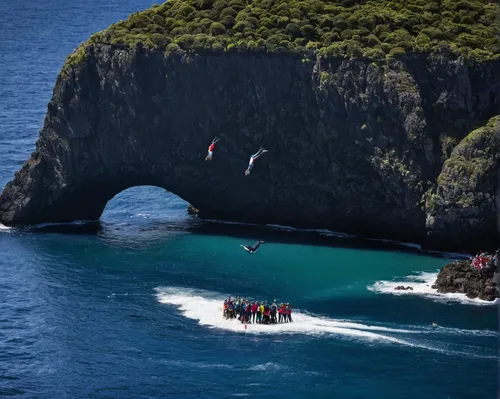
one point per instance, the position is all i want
(145, 202)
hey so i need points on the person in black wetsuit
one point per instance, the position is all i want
(273, 313)
(253, 249)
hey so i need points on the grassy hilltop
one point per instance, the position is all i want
(373, 29)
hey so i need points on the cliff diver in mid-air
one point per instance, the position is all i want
(211, 148)
(252, 160)
(253, 249)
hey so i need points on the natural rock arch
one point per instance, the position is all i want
(349, 145)
(84, 198)
(146, 202)
(124, 118)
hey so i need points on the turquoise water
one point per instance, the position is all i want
(130, 308)
(134, 310)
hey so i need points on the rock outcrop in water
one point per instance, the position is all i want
(461, 277)
(355, 145)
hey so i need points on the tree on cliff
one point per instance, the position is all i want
(372, 29)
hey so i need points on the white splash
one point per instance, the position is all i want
(421, 284)
(206, 308)
(5, 229)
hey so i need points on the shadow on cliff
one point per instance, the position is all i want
(353, 146)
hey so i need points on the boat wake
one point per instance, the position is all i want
(206, 308)
(421, 285)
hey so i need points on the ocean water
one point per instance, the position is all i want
(131, 307)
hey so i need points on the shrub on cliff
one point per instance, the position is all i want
(471, 169)
(352, 28)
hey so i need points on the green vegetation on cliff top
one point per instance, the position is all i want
(474, 155)
(466, 174)
(373, 29)
(488, 131)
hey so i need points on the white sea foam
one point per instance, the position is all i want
(415, 329)
(270, 366)
(144, 215)
(5, 229)
(422, 285)
(205, 308)
(201, 365)
(461, 331)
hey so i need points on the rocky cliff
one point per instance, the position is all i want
(354, 145)
(465, 202)
(461, 277)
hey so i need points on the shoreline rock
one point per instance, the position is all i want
(461, 277)
(191, 210)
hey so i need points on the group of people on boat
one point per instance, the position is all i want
(253, 157)
(484, 260)
(256, 312)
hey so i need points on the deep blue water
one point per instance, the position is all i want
(131, 308)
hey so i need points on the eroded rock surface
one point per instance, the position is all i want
(461, 277)
(465, 202)
(353, 145)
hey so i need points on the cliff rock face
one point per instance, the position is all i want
(353, 145)
(465, 203)
(461, 277)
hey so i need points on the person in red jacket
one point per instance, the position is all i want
(281, 312)
(254, 311)
(211, 148)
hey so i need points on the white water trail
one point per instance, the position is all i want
(206, 308)
(422, 286)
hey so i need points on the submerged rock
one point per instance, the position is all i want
(191, 210)
(461, 277)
